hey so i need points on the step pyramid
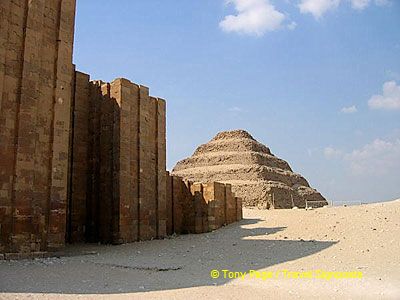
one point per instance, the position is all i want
(257, 176)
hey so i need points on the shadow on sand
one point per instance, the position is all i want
(180, 262)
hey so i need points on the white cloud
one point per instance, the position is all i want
(349, 110)
(377, 158)
(390, 98)
(331, 152)
(235, 109)
(254, 17)
(292, 26)
(359, 4)
(318, 7)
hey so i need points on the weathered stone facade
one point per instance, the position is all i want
(259, 177)
(80, 160)
(200, 207)
(118, 177)
(36, 75)
(83, 161)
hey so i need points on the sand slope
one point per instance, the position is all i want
(363, 238)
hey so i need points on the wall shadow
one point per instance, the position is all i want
(179, 262)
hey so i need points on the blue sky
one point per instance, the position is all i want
(318, 81)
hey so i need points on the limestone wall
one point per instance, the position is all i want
(118, 178)
(36, 75)
(84, 161)
(200, 207)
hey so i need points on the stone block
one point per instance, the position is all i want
(239, 211)
(161, 167)
(188, 208)
(200, 208)
(177, 195)
(214, 194)
(230, 205)
(148, 165)
(79, 159)
(169, 205)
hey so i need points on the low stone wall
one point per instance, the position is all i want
(200, 207)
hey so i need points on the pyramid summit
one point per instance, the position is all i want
(256, 175)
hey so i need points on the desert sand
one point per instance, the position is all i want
(363, 238)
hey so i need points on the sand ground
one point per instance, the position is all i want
(362, 238)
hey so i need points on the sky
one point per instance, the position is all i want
(317, 81)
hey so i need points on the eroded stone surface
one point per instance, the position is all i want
(255, 174)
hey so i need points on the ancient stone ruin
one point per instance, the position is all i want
(81, 160)
(256, 175)
(200, 207)
(36, 88)
(117, 188)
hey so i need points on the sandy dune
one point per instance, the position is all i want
(361, 238)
